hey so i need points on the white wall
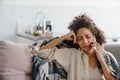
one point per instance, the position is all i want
(63, 2)
(23, 12)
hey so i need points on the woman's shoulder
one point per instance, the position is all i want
(110, 58)
(109, 54)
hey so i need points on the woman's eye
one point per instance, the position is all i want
(88, 37)
(79, 39)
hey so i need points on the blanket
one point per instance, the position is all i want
(44, 70)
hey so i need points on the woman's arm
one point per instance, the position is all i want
(106, 70)
(53, 43)
(100, 56)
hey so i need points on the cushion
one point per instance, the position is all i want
(16, 77)
(14, 59)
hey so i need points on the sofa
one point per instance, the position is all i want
(16, 62)
(114, 49)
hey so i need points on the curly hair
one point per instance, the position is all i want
(83, 21)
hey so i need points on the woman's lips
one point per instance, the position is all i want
(87, 47)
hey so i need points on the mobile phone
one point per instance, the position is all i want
(94, 38)
(92, 50)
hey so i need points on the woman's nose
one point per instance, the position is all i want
(85, 40)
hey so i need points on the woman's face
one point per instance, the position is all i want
(84, 39)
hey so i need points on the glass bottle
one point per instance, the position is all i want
(48, 26)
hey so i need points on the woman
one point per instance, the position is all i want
(90, 61)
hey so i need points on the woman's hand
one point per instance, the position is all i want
(70, 36)
(98, 51)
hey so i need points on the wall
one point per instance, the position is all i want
(23, 14)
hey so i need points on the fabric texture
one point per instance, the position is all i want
(14, 60)
(44, 70)
(94, 74)
(118, 73)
